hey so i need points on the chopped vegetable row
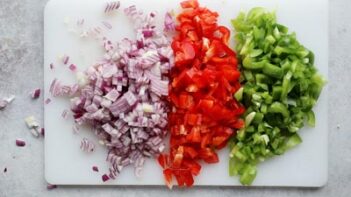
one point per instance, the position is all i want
(204, 114)
(281, 86)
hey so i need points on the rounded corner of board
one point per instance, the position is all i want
(48, 6)
(323, 182)
(49, 178)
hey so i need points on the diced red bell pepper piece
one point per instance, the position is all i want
(190, 4)
(194, 136)
(167, 173)
(162, 160)
(193, 166)
(208, 155)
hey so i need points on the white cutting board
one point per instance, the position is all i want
(66, 164)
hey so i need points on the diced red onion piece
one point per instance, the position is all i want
(109, 70)
(120, 106)
(57, 89)
(114, 171)
(47, 101)
(52, 86)
(107, 24)
(50, 187)
(20, 143)
(74, 89)
(35, 94)
(112, 95)
(10, 99)
(34, 132)
(75, 129)
(87, 146)
(65, 59)
(148, 33)
(65, 114)
(42, 132)
(105, 178)
(31, 122)
(159, 87)
(73, 67)
(112, 6)
(169, 22)
(3, 104)
(95, 168)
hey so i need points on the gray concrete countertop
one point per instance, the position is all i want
(21, 60)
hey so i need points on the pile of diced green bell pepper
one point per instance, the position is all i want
(280, 88)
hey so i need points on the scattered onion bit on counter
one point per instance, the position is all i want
(87, 146)
(204, 112)
(111, 6)
(52, 66)
(80, 22)
(42, 132)
(107, 24)
(4, 102)
(20, 143)
(33, 126)
(95, 168)
(97, 30)
(31, 122)
(10, 99)
(5, 170)
(65, 114)
(47, 101)
(75, 129)
(50, 187)
(65, 59)
(124, 95)
(105, 178)
(35, 94)
(35, 132)
(57, 89)
(73, 67)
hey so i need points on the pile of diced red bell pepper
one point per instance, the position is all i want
(204, 114)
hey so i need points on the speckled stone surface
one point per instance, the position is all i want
(21, 59)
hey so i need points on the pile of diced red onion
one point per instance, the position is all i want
(123, 96)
